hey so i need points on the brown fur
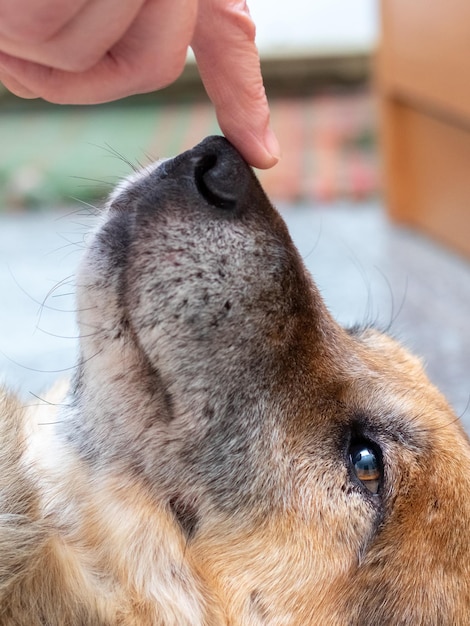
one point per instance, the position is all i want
(198, 471)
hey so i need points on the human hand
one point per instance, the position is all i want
(91, 51)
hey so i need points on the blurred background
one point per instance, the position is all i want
(371, 105)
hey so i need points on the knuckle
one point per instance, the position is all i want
(171, 70)
(78, 61)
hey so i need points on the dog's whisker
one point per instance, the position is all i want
(45, 401)
(67, 281)
(115, 153)
(67, 294)
(101, 181)
(41, 304)
(75, 245)
(91, 211)
(315, 243)
(444, 426)
(467, 406)
(34, 369)
(150, 158)
(60, 336)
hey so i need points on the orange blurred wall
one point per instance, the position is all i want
(423, 78)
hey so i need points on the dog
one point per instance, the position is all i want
(226, 453)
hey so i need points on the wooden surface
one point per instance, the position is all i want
(423, 74)
(428, 174)
(426, 53)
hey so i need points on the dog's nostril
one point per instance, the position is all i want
(215, 182)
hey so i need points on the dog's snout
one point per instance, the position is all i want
(220, 174)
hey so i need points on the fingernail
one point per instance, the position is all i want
(272, 144)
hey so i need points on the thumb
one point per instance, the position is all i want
(229, 66)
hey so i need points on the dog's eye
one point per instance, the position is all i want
(366, 463)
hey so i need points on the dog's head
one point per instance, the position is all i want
(317, 475)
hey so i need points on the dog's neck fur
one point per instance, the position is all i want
(116, 555)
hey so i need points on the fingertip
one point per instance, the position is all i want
(260, 152)
(272, 147)
(262, 159)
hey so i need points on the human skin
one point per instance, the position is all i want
(92, 51)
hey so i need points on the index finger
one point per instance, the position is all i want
(229, 66)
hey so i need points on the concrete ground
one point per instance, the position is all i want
(366, 269)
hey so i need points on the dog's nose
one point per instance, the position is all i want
(220, 174)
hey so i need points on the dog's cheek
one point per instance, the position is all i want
(341, 513)
(297, 545)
